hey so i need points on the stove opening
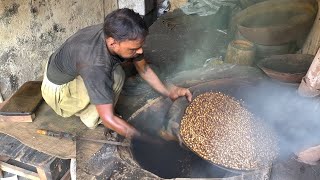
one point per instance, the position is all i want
(169, 160)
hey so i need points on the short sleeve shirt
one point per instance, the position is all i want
(86, 54)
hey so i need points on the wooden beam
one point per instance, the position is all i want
(25, 118)
(66, 176)
(2, 104)
(1, 98)
(4, 158)
(42, 174)
(19, 171)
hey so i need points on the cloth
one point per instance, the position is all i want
(85, 54)
(72, 98)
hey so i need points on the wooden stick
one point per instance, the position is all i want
(104, 142)
(66, 176)
(1, 98)
(3, 159)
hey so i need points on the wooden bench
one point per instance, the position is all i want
(24, 161)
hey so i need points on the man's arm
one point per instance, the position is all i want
(115, 123)
(148, 75)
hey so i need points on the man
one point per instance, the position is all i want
(84, 77)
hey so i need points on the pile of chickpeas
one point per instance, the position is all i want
(220, 129)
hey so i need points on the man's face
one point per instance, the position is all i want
(125, 49)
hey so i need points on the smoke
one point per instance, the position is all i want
(295, 119)
(204, 38)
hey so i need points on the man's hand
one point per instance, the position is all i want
(115, 123)
(310, 156)
(175, 92)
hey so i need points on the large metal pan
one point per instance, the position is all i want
(151, 118)
(226, 86)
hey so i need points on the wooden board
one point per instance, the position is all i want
(19, 171)
(66, 176)
(3, 159)
(25, 118)
(24, 102)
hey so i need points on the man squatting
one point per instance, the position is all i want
(84, 76)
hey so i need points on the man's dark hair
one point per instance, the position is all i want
(125, 24)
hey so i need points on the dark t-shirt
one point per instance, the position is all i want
(85, 54)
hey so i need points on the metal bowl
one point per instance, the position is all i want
(288, 68)
(264, 24)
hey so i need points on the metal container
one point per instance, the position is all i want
(289, 68)
(240, 52)
(263, 51)
(275, 22)
(156, 111)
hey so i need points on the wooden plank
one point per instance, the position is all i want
(43, 175)
(2, 104)
(1, 98)
(10, 146)
(26, 118)
(66, 176)
(19, 171)
(25, 101)
(4, 158)
(36, 158)
(54, 169)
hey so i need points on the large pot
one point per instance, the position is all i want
(275, 22)
(150, 117)
(289, 68)
(263, 51)
(246, 3)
